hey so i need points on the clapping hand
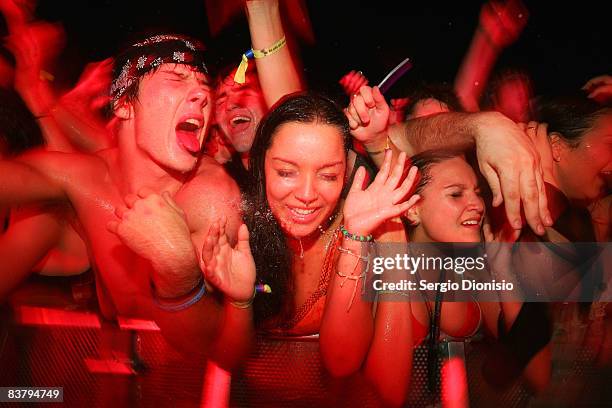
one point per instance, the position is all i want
(230, 270)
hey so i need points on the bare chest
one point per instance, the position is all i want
(121, 276)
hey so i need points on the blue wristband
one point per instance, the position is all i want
(182, 302)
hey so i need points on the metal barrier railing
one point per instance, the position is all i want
(102, 364)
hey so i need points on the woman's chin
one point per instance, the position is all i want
(470, 240)
(463, 238)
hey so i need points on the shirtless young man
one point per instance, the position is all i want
(142, 190)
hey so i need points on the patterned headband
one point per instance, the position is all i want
(146, 55)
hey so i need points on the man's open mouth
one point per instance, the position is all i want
(187, 133)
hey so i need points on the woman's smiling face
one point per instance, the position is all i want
(304, 170)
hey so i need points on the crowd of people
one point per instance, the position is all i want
(238, 206)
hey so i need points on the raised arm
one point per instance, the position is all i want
(277, 72)
(388, 365)
(506, 156)
(499, 26)
(78, 112)
(347, 324)
(68, 123)
(34, 47)
(368, 115)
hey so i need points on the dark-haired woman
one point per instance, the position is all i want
(307, 243)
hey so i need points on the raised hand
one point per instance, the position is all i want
(91, 90)
(503, 22)
(368, 116)
(365, 210)
(230, 270)
(352, 81)
(35, 47)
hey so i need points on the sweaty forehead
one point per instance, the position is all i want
(149, 55)
(308, 141)
(178, 71)
(184, 69)
(453, 171)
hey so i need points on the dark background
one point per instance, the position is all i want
(562, 45)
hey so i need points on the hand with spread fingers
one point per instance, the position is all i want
(367, 209)
(230, 270)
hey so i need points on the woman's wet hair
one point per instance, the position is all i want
(424, 161)
(569, 116)
(300, 107)
(268, 242)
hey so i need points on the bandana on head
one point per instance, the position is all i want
(146, 55)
